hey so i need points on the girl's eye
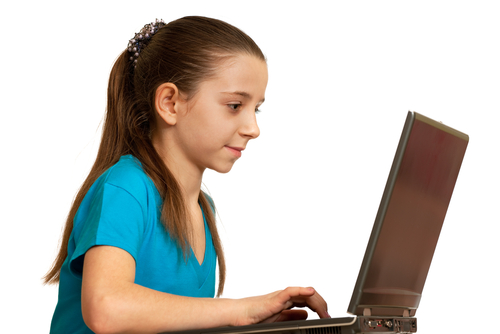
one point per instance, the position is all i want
(237, 106)
(234, 106)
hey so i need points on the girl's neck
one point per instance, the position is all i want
(189, 180)
(187, 175)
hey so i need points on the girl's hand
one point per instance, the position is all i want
(277, 306)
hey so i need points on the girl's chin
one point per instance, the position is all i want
(223, 169)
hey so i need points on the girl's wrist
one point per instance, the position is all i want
(228, 311)
(234, 311)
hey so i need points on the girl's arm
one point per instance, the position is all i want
(113, 303)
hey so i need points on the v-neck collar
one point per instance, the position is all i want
(202, 270)
(193, 255)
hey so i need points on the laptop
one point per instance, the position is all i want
(403, 239)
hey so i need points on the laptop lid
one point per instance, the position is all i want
(409, 219)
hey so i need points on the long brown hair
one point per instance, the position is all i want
(184, 52)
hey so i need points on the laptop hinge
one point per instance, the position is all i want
(367, 312)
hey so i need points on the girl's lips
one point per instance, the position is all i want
(236, 151)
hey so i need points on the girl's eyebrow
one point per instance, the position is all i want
(243, 94)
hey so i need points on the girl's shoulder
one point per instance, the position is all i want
(129, 175)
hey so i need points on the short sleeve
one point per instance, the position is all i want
(114, 217)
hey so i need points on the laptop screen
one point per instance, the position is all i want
(409, 219)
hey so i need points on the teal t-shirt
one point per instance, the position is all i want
(122, 209)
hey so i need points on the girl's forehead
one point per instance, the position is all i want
(243, 74)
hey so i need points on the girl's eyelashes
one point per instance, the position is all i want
(257, 108)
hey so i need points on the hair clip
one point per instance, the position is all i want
(136, 44)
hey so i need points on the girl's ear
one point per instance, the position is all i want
(167, 95)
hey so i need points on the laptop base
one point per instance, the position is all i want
(347, 325)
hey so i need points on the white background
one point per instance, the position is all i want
(298, 207)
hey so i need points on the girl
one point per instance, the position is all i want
(140, 245)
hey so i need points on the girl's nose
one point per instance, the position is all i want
(250, 128)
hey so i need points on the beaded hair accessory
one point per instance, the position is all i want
(140, 40)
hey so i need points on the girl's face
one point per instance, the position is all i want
(214, 127)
